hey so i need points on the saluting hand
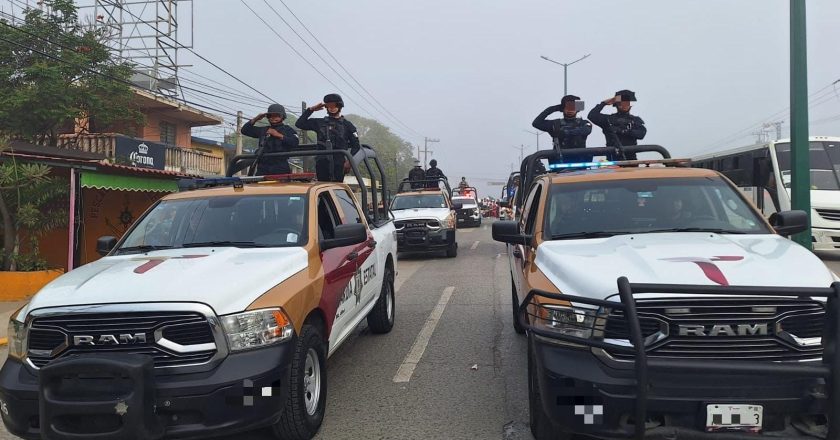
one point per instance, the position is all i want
(274, 133)
(612, 100)
(317, 107)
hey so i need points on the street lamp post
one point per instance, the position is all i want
(565, 69)
(537, 133)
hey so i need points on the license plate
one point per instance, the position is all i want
(726, 417)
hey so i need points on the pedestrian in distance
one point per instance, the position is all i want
(433, 174)
(568, 131)
(274, 138)
(416, 176)
(334, 132)
(620, 128)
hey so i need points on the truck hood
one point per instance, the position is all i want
(591, 267)
(824, 199)
(227, 279)
(415, 213)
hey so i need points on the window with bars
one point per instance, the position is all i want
(168, 133)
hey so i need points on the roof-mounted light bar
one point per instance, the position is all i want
(620, 163)
(240, 181)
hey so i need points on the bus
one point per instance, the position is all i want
(760, 171)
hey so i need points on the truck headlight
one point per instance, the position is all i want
(17, 338)
(257, 328)
(569, 321)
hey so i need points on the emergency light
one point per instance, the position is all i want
(561, 166)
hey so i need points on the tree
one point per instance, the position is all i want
(31, 200)
(395, 153)
(54, 70)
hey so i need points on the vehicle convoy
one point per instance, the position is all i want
(659, 302)
(214, 314)
(469, 214)
(761, 170)
(425, 217)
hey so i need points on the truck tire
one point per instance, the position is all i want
(452, 251)
(515, 305)
(381, 317)
(305, 406)
(541, 426)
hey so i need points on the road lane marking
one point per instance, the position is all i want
(413, 357)
(475, 245)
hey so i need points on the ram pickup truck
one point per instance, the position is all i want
(659, 303)
(425, 218)
(214, 314)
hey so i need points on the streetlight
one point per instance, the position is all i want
(565, 68)
(538, 136)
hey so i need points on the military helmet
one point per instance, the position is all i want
(433, 162)
(276, 109)
(569, 98)
(626, 95)
(334, 97)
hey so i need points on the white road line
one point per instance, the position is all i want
(475, 245)
(413, 357)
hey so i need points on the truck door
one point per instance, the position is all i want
(523, 256)
(368, 259)
(340, 289)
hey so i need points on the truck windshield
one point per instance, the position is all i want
(599, 209)
(466, 201)
(241, 221)
(824, 158)
(418, 201)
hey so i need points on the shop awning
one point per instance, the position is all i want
(127, 183)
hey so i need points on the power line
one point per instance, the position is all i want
(328, 64)
(300, 55)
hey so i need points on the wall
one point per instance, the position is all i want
(151, 131)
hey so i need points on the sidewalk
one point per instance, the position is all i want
(6, 310)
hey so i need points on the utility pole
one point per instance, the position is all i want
(538, 136)
(239, 132)
(778, 126)
(799, 150)
(521, 149)
(426, 151)
(565, 69)
(304, 135)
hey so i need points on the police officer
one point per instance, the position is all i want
(567, 132)
(432, 174)
(334, 133)
(621, 128)
(274, 138)
(416, 175)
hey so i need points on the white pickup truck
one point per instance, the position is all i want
(214, 314)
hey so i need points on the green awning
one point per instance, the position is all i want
(127, 183)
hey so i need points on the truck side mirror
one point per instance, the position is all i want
(787, 223)
(105, 244)
(346, 235)
(508, 232)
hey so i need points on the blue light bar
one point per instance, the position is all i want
(560, 166)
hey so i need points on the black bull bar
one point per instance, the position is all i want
(643, 365)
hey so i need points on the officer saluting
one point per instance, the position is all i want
(334, 133)
(275, 138)
(621, 128)
(568, 132)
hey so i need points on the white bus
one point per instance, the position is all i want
(761, 169)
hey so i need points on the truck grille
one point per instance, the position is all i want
(52, 337)
(787, 322)
(829, 214)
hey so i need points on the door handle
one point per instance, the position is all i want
(517, 253)
(352, 256)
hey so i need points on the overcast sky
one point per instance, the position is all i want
(469, 73)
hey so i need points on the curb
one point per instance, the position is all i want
(4, 341)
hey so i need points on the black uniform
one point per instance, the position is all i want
(434, 173)
(566, 132)
(619, 127)
(271, 144)
(416, 175)
(333, 134)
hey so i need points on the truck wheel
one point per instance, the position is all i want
(381, 318)
(515, 305)
(305, 406)
(541, 426)
(452, 251)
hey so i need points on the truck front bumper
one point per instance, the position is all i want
(426, 240)
(117, 397)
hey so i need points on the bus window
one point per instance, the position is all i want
(824, 158)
